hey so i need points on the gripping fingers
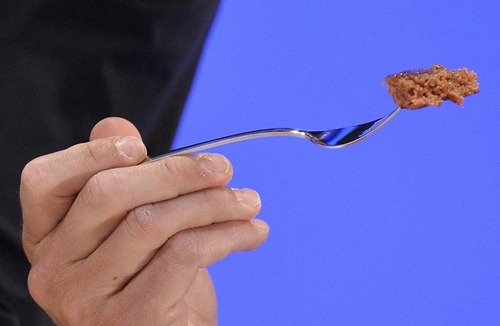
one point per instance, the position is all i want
(110, 195)
(50, 183)
(170, 273)
(145, 229)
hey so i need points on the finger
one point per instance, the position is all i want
(146, 228)
(111, 194)
(157, 291)
(50, 183)
(113, 127)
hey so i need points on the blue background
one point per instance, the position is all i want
(402, 228)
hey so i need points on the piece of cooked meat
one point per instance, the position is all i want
(414, 89)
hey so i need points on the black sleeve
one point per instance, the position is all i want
(66, 64)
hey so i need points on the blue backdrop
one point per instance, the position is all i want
(402, 228)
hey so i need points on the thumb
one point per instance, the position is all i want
(114, 126)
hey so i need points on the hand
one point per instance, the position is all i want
(112, 242)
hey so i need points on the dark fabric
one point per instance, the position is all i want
(66, 64)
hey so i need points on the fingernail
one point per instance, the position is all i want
(214, 163)
(131, 146)
(247, 196)
(260, 225)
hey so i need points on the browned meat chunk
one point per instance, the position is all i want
(414, 89)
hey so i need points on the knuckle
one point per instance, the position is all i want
(141, 222)
(195, 168)
(171, 171)
(221, 194)
(99, 187)
(172, 166)
(36, 175)
(45, 283)
(91, 152)
(93, 191)
(38, 280)
(237, 233)
(183, 248)
(221, 200)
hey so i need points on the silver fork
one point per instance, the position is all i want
(334, 138)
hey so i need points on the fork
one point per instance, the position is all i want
(334, 138)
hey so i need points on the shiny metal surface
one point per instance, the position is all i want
(334, 138)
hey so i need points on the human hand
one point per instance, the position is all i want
(112, 242)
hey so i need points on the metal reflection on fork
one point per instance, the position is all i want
(334, 138)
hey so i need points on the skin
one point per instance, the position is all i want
(114, 242)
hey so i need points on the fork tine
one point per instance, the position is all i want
(341, 137)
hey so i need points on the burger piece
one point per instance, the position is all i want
(415, 89)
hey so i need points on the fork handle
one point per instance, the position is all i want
(231, 139)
